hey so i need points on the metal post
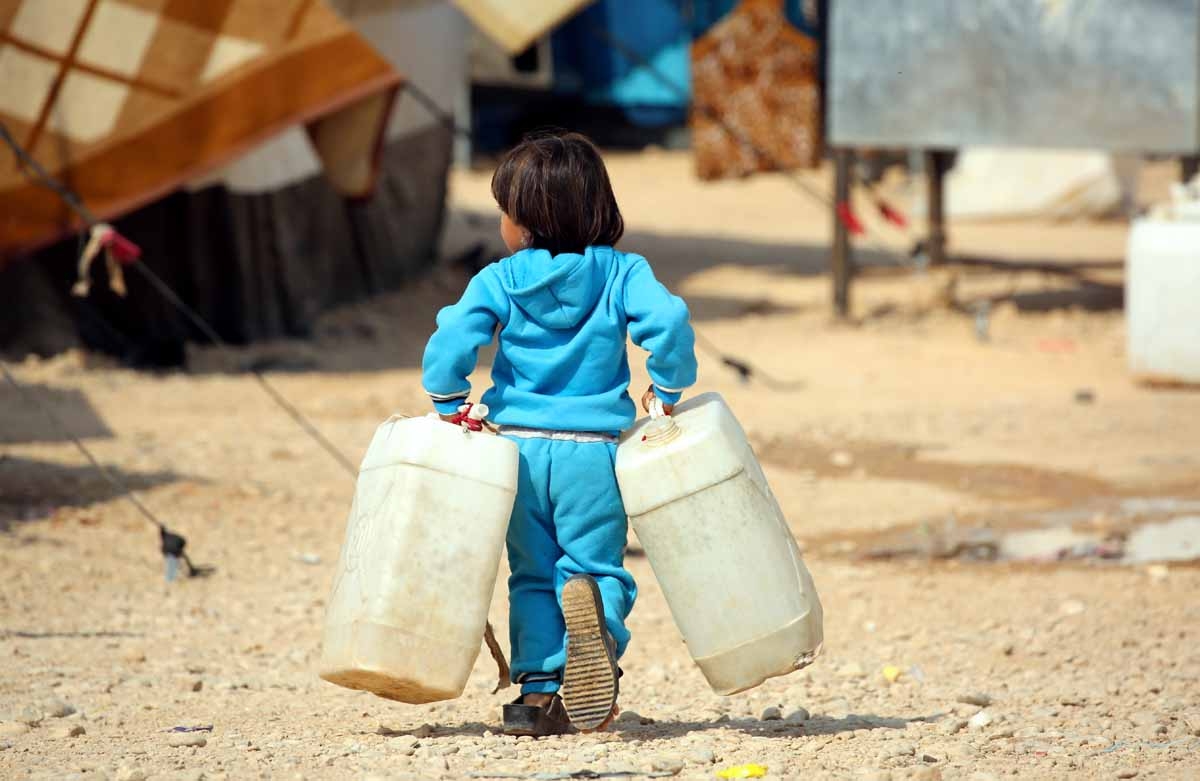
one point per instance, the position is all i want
(936, 164)
(842, 261)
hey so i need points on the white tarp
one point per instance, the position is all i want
(1007, 183)
(425, 41)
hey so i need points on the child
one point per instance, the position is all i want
(561, 306)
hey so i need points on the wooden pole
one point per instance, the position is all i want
(937, 162)
(842, 261)
(1189, 166)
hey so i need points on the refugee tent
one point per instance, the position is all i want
(254, 149)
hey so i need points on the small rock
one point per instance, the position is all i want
(423, 731)
(665, 764)
(930, 759)
(1158, 571)
(798, 716)
(840, 458)
(72, 731)
(838, 709)
(873, 774)
(1085, 396)
(924, 774)
(309, 558)
(192, 685)
(953, 726)
(771, 714)
(11, 729)
(1152, 731)
(134, 656)
(1072, 607)
(29, 715)
(852, 670)
(898, 748)
(1191, 721)
(980, 720)
(629, 717)
(186, 739)
(1127, 773)
(1024, 733)
(127, 773)
(978, 699)
(1143, 718)
(702, 756)
(187, 775)
(57, 709)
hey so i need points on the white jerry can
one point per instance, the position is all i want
(719, 545)
(1162, 293)
(419, 562)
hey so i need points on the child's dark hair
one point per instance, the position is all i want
(555, 185)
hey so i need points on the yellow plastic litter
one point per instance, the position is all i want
(743, 771)
(892, 673)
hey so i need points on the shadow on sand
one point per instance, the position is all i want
(670, 730)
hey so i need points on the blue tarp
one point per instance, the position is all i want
(661, 32)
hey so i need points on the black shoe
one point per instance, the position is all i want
(534, 721)
(590, 680)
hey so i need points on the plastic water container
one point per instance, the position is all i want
(1162, 297)
(719, 545)
(419, 562)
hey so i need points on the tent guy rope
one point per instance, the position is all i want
(173, 544)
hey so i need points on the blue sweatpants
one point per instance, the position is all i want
(568, 520)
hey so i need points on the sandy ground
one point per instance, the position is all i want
(901, 420)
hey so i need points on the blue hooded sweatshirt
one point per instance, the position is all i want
(562, 322)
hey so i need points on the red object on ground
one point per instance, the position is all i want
(849, 219)
(891, 215)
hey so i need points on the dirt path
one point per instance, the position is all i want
(906, 418)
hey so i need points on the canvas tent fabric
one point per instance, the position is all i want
(651, 85)
(756, 74)
(516, 24)
(127, 99)
(263, 244)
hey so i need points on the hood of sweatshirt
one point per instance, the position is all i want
(557, 291)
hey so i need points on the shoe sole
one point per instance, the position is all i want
(589, 688)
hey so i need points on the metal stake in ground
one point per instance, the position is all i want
(172, 543)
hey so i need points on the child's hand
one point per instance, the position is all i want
(650, 396)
